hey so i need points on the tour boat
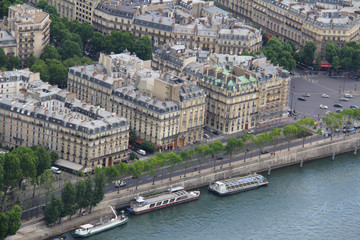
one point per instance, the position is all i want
(174, 196)
(89, 229)
(238, 184)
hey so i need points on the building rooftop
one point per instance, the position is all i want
(124, 9)
(26, 14)
(6, 38)
(154, 21)
(214, 10)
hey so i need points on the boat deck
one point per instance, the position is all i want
(240, 180)
(165, 196)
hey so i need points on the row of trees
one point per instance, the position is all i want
(347, 57)
(21, 167)
(84, 194)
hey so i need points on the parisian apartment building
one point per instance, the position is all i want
(242, 92)
(200, 25)
(30, 29)
(301, 21)
(33, 112)
(160, 107)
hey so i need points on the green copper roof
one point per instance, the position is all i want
(253, 79)
(231, 83)
(243, 79)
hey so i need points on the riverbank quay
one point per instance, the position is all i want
(193, 179)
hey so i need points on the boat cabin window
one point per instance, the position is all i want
(181, 198)
(158, 204)
(172, 200)
(165, 202)
(152, 205)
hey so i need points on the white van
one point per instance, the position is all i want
(55, 170)
(142, 152)
(348, 95)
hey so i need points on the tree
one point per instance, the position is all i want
(99, 190)
(54, 156)
(47, 179)
(275, 135)
(111, 174)
(96, 41)
(30, 61)
(304, 127)
(12, 176)
(28, 162)
(88, 194)
(309, 51)
(70, 49)
(248, 140)
(233, 145)
(80, 191)
(202, 151)
(50, 52)
(41, 67)
(4, 226)
(147, 146)
(136, 170)
(53, 210)
(216, 148)
(153, 166)
(14, 220)
(68, 199)
(290, 132)
(143, 48)
(85, 31)
(3, 58)
(331, 51)
(261, 140)
(13, 62)
(335, 63)
(348, 116)
(187, 157)
(57, 72)
(173, 160)
(44, 160)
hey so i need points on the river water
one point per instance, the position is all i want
(319, 201)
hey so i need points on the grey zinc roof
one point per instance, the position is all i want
(6, 38)
(95, 73)
(11, 76)
(154, 21)
(129, 93)
(215, 10)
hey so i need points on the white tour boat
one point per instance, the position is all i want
(89, 229)
(175, 196)
(239, 184)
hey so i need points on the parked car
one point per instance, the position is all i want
(301, 99)
(251, 131)
(119, 183)
(306, 95)
(141, 152)
(219, 158)
(338, 105)
(206, 136)
(349, 130)
(348, 95)
(344, 99)
(338, 110)
(55, 170)
(354, 107)
(322, 106)
(265, 151)
(325, 96)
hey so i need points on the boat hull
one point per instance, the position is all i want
(95, 231)
(236, 191)
(163, 206)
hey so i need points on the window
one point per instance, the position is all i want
(158, 204)
(172, 200)
(152, 205)
(166, 201)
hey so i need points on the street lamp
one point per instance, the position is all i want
(292, 96)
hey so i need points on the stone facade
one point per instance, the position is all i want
(31, 29)
(48, 116)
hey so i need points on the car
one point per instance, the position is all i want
(265, 151)
(322, 106)
(338, 105)
(119, 183)
(325, 96)
(306, 95)
(348, 95)
(141, 152)
(251, 131)
(84, 213)
(215, 132)
(354, 107)
(338, 110)
(301, 99)
(349, 130)
(55, 170)
(337, 130)
(344, 99)
(206, 136)
(219, 158)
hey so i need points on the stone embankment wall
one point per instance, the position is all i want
(316, 150)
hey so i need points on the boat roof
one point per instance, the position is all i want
(240, 180)
(164, 196)
(175, 189)
(85, 226)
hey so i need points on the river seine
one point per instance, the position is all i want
(319, 201)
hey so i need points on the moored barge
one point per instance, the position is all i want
(174, 196)
(238, 184)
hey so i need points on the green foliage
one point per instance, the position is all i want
(88, 194)
(99, 190)
(148, 147)
(80, 191)
(3, 58)
(136, 170)
(68, 199)
(50, 52)
(54, 156)
(304, 128)
(4, 7)
(44, 160)
(4, 226)
(233, 145)
(30, 61)
(290, 132)
(122, 170)
(172, 161)
(53, 210)
(57, 71)
(202, 151)
(280, 53)
(187, 157)
(41, 67)
(275, 135)
(111, 173)
(216, 148)
(132, 156)
(153, 166)
(13, 62)
(14, 220)
(13, 173)
(331, 51)
(132, 137)
(70, 49)
(261, 140)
